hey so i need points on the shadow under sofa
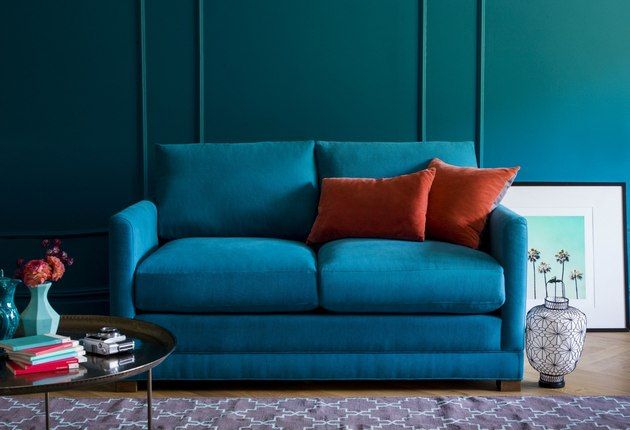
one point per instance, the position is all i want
(218, 258)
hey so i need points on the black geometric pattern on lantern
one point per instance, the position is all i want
(395, 413)
(554, 339)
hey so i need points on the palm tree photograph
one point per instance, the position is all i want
(556, 252)
(577, 245)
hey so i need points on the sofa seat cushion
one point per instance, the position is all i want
(382, 276)
(228, 275)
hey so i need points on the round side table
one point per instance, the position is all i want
(152, 345)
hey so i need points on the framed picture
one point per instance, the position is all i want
(576, 234)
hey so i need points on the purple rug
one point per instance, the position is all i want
(323, 413)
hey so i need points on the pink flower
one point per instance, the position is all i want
(57, 266)
(36, 272)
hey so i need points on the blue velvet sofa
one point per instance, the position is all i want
(219, 258)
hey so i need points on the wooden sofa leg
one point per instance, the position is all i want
(126, 386)
(508, 385)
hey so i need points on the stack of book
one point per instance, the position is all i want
(42, 353)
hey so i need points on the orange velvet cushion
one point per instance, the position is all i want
(461, 199)
(391, 208)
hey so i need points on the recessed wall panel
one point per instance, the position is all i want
(69, 154)
(451, 69)
(297, 69)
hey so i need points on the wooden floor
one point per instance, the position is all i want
(603, 370)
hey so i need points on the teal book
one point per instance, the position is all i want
(27, 342)
(69, 354)
(45, 357)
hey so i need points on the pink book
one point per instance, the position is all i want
(40, 350)
(69, 363)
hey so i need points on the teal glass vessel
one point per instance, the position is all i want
(9, 315)
(39, 317)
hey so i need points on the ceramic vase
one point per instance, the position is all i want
(9, 315)
(39, 317)
(555, 335)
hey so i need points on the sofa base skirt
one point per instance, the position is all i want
(507, 365)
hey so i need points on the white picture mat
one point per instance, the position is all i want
(604, 305)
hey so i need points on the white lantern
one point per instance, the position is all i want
(554, 338)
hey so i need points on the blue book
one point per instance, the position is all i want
(27, 342)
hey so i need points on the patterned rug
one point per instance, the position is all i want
(323, 413)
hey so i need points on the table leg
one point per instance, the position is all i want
(149, 398)
(47, 411)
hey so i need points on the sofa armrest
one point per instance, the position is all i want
(132, 236)
(508, 245)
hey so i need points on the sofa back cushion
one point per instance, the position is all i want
(265, 189)
(387, 159)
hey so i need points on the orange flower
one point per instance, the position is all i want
(36, 272)
(57, 266)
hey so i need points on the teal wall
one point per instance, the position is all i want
(557, 89)
(86, 89)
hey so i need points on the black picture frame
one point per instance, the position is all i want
(625, 236)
